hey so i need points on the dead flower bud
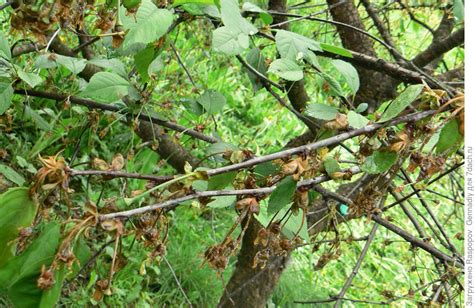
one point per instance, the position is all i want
(261, 258)
(275, 228)
(285, 245)
(248, 203)
(340, 122)
(110, 225)
(117, 162)
(262, 237)
(301, 199)
(46, 278)
(99, 164)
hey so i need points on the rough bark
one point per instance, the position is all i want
(375, 87)
(251, 287)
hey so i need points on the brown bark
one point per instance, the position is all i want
(375, 87)
(251, 287)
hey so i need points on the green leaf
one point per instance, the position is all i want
(286, 69)
(379, 162)
(151, 24)
(114, 65)
(449, 136)
(336, 50)
(250, 7)
(257, 61)
(222, 202)
(458, 9)
(399, 104)
(291, 227)
(227, 41)
(349, 73)
(12, 175)
(331, 165)
(333, 84)
(17, 210)
(181, 2)
(30, 78)
(221, 181)
(74, 65)
(155, 66)
(362, 107)
(212, 101)
(18, 278)
(282, 195)
(142, 61)
(4, 47)
(231, 17)
(6, 94)
(322, 111)
(356, 120)
(38, 120)
(221, 147)
(106, 87)
(295, 47)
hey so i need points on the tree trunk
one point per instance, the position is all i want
(248, 286)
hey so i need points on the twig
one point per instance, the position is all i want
(322, 143)
(181, 63)
(354, 272)
(170, 204)
(95, 105)
(177, 281)
(120, 174)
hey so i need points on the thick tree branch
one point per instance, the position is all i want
(107, 107)
(438, 48)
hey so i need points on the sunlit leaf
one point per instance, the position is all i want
(106, 87)
(399, 104)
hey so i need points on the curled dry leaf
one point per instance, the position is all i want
(99, 164)
(117, 163)
(46, 278)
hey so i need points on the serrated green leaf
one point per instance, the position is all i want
(6, 94)
(181, 2)
(282, 195)
(356, 120)
(4, 47)
(399, 104)
(114, 65)
(231, 17)
(212, 101)
(74, 65)
(257, 61)
(222, 202)
(331, 165)
(106, 87)
(221, 181)
(294, 46)
(143, 60)
(322, 111)
(31, 79)
(336, 50)
(151, 24)
(227, 41)
(379, 162)
(349, 73)
(250, 7)
(17, 210)
(286, 69)
(333, 84)
(18, 277)
(11, 175)
(458, 9)
(449, 136)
